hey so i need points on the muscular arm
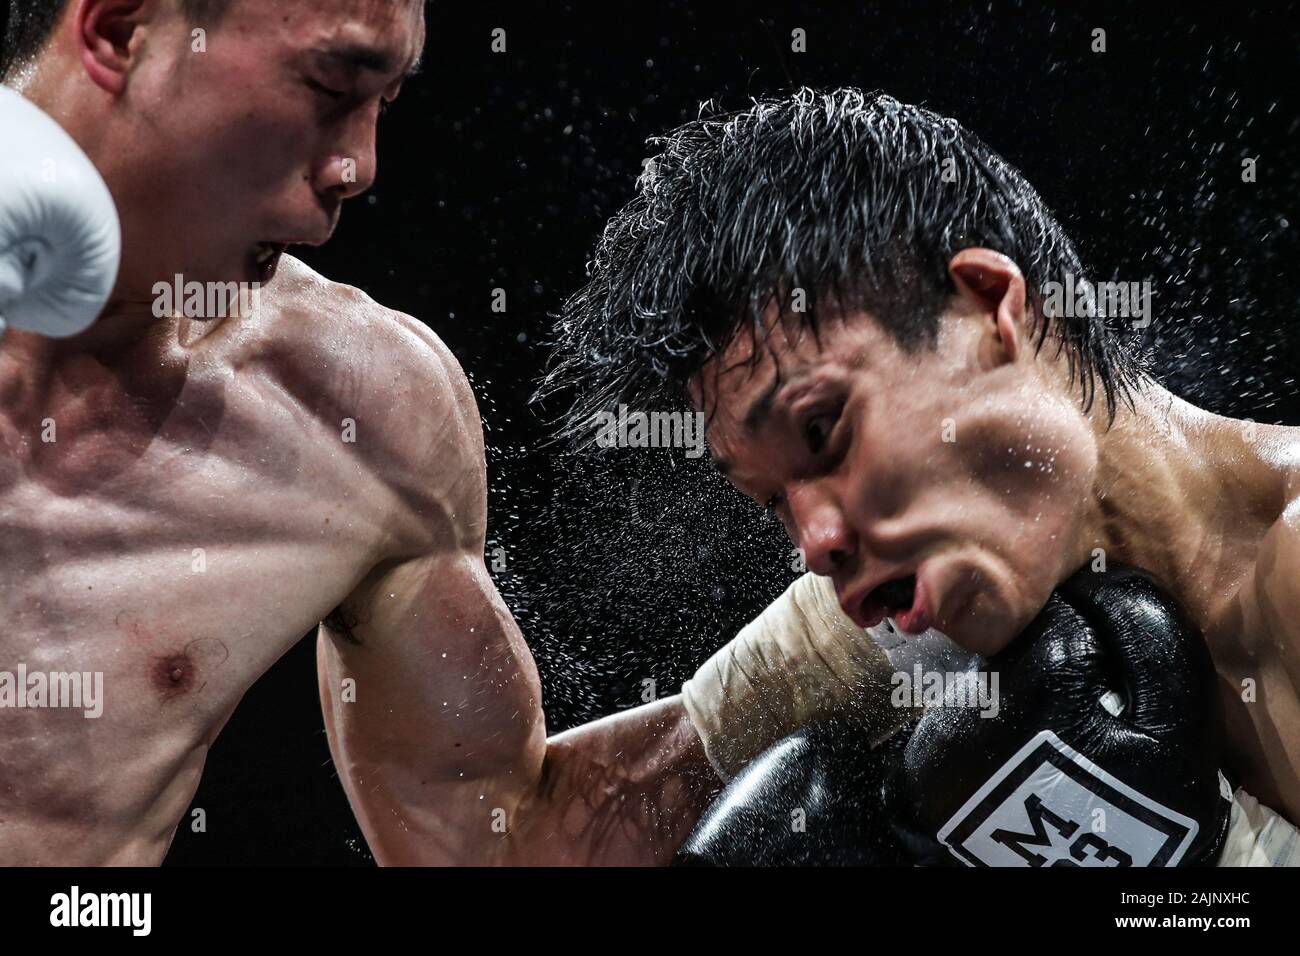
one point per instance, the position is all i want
(434, 713)
(1262, 639)
(444, 755)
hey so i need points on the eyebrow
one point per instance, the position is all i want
(362, 57)
(762, 406)
(755, 416)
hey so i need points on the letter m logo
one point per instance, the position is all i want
(1028, 813)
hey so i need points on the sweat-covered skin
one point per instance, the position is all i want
(214, 489)
(973, 468)
(854, 290)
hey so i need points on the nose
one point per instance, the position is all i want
(821, 532)
(348, 167)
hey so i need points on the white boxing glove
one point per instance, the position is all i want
(60, 240)
(802, 659)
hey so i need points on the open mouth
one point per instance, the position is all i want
(891, 598)
(903, 599)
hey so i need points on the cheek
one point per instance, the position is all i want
(1003, 600)
(1034, 469)
(263, 157)
(222, 139)
(248, 117)
(1059, 469)
(909, 465)
(1023, 546)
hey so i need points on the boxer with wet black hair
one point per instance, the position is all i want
(854, 291)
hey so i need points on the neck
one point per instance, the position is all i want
(1183, 493)
(121, 325)
(61, 89)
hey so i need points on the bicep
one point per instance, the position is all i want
(434, 714)
(438, 671)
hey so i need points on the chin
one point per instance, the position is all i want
(982, 629)
(985, 643)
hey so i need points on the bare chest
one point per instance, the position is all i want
(177, 555)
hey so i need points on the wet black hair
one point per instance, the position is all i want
(839, 197)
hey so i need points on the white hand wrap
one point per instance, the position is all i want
(800, 660)
(1257, 836)
(60, 241)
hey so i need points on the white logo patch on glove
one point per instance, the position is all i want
(1051, 806)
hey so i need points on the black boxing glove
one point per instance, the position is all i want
(1103, 750)
(814, 798)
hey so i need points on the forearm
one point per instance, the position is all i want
(445, 759)
(445, 756)
(623, 790)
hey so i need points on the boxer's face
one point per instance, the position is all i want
(255, 143)
(966, 466)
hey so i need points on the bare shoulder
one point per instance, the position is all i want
(1280, 552)
(1277, 566)
(388, 378)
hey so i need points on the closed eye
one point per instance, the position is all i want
(324, 90)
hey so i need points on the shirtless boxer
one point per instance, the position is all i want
(216, 487)
(852, 290)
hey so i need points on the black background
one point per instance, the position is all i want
(498, 171)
